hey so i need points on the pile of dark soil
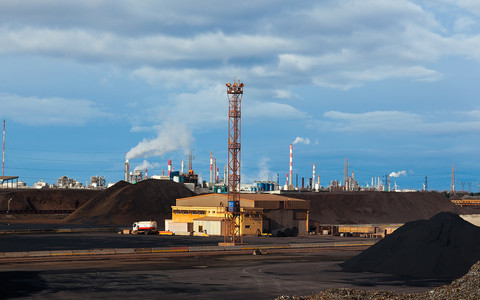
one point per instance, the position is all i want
(375, 207)
(45, 199)
(443, 247)
(125, 203)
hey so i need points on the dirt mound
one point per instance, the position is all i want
(124, 203)
(374, 207)
(45, 199)
(445, 246)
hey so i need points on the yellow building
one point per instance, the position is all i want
(261, 213)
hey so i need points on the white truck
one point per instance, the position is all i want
(145, 227)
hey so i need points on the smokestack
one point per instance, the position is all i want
(211, 167)
(169, 167)
(313, 177)
(127, 170)
(218, 176)
(3, 157)
(146, 171)
(183, 167)
(291, 165)
(190, 164)
(214, 170)
(225, 175)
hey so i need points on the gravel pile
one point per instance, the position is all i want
(375, 207)
(466, 287)
(125, 203)
(443, 247)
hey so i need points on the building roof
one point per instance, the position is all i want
(3, 178)
(265, 201)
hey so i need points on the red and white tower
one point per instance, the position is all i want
(291, 165)
(169, 167)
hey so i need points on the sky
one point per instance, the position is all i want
(392, 86)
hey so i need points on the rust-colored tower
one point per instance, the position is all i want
(234, 216)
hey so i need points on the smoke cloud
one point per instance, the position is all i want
(170, 138)
(264, 172)
(305, 141)
(398, 174)
(146, 165)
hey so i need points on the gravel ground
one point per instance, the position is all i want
(466, 287)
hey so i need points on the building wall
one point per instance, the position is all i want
(252, 225)
(190, 213)
(278, 219)
(208, 227)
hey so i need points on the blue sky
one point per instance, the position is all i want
(391, 85)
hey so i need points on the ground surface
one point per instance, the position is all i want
(208, 275)
(197, 277)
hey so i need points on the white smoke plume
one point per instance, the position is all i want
(171, 137)
(264, 172)
(398, 174)
(146, 165)
(301, 140)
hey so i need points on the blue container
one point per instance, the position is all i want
(231, 206)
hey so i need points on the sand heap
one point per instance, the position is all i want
(125, 203)
(375, 207)
(443, 247)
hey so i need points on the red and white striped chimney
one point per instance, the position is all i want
(218, 175)
(291, 165)
(169, 167)
(146, 172)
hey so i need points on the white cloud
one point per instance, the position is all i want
(398, 174)
(334, 44)
(463, 24)
(300, 140)
(271, 110)
(389, 122)
(50, 111)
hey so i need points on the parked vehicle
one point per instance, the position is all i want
(145, 227)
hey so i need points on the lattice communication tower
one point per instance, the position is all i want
(234, 216)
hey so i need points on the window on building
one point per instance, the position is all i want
(194, 212)
(247, 226)
(201, 212)
(185, 212)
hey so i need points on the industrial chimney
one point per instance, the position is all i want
(291, 166)
(127, 170)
